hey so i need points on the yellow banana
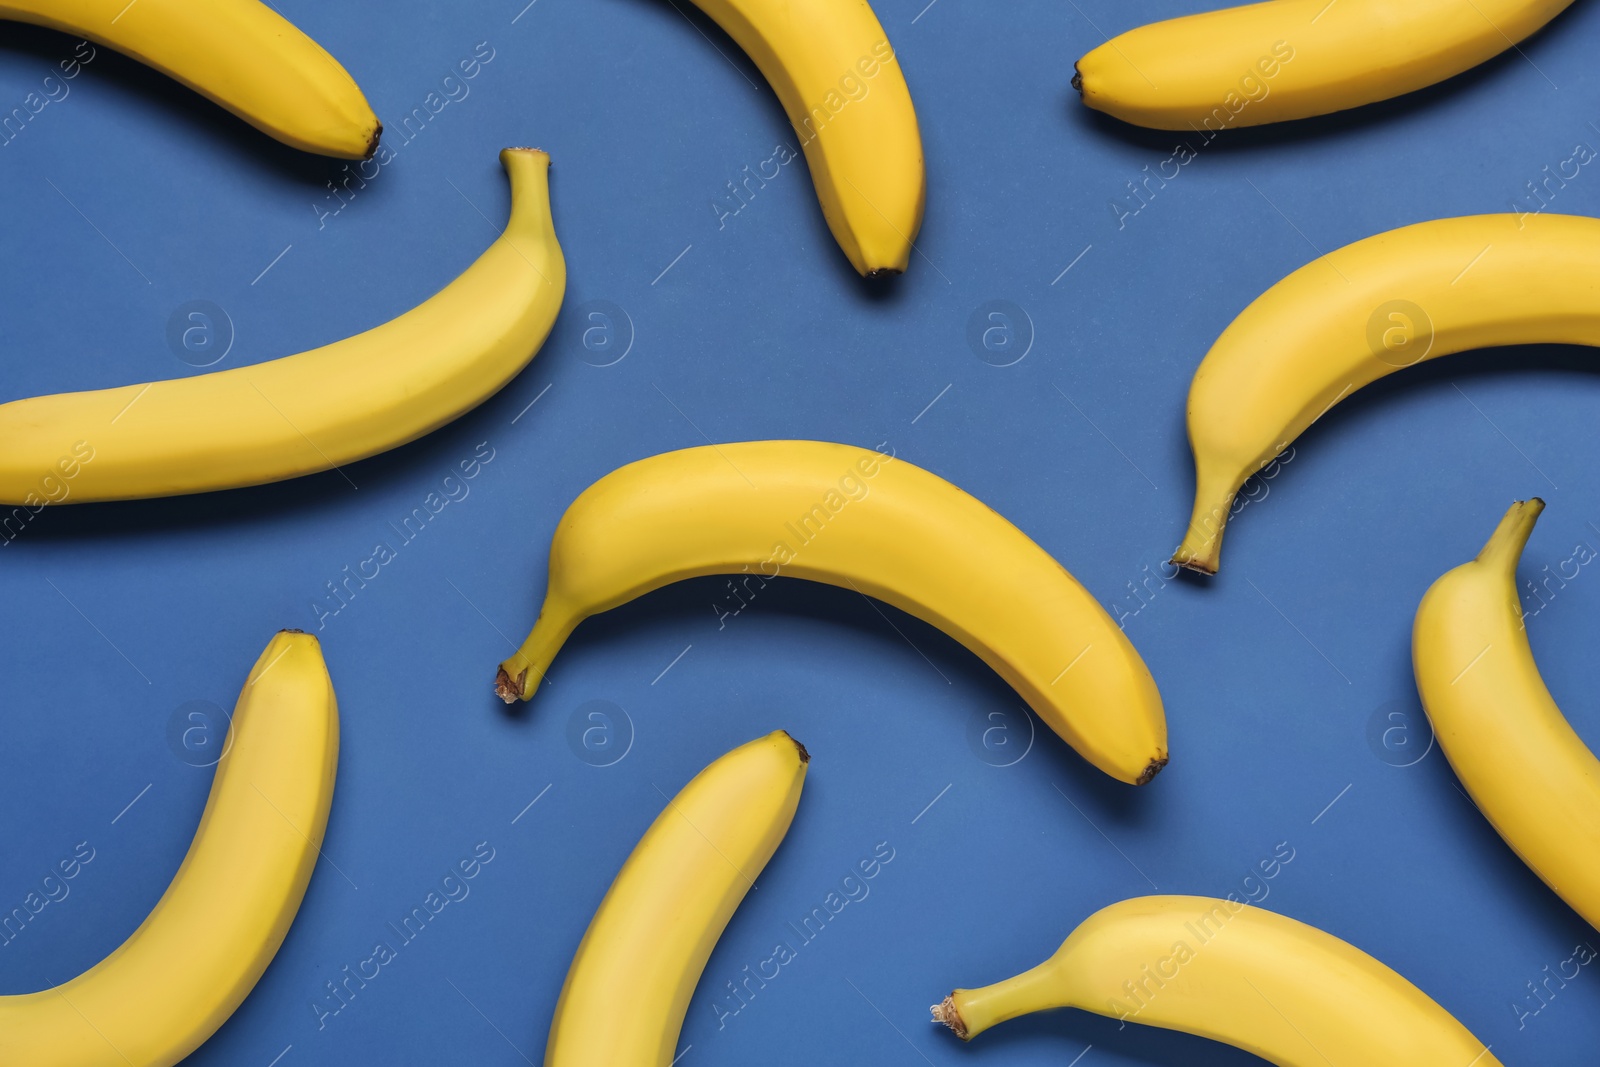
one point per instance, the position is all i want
(1285, 991)
(239, 53)
(1290, 59)
(191, 963)
(840, 83)
(656, 927)
(1525, 768)
(1367, 310)
(868, 522)
(316, 410)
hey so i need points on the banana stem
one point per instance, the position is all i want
(1201, 549)
(521, 674)
(969, 1012)
(1504, 548)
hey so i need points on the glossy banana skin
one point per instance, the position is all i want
(625, 996)
(840, 83)
(1292, 59)
(239, 53)
(316, 410)
(1285, 991)
(1365, 311)
(1517, 756)
(867, 522)
(193, 961)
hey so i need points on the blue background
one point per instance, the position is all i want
(1273, 674)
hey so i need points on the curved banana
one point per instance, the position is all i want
(1525, 768)
(1285, 991)
(1365, 311)
(312, 411)
(1290, 59)
(840, 83)
(868, 522)
(239, 53)
(655, 929)
(192, 962)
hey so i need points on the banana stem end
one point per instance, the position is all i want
(945, 1012)
(1505, 545)
(1150, 771)
(510, 690)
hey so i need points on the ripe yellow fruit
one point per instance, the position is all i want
(655, 929)
(240, 53)
(192, 962)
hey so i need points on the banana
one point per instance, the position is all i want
(191, 963)
(312, 411)
(840, 83)
(1365, 311)
(1290, 59)
(1525, 768)
(629, 985)
(239, 53)
(863, 521)
(1275, 987)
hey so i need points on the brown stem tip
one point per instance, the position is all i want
(508, 690)
(1151, 771)
(1077, 79)
(372, 145)
(805, 757)
(945, 1012)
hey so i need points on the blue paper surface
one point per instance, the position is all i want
(130, 198)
